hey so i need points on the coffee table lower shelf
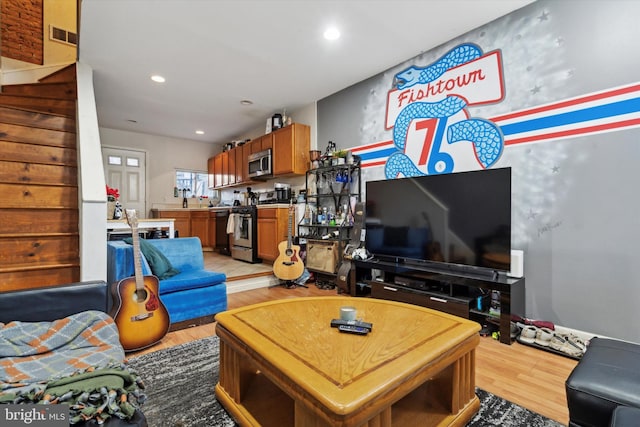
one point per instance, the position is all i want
(264, 404)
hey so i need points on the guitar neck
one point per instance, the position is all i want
(290, 230)
(137, 258)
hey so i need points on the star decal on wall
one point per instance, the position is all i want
(544, 16)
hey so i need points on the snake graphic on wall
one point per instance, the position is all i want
(484, 135)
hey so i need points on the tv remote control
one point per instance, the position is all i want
(351, 329)
(337, 322)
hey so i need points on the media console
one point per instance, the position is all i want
(460, 293)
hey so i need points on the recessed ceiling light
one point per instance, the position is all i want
(158, 79)
(246, 102)
(200, 132)
(332, 33)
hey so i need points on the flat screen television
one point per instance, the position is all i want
(454, 221)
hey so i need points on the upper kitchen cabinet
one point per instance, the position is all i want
(291, 150)
(217, 168)
(240, 164)
(233, 173)
(211, 170)
(261, 143)
(289, 153)
(225, 168)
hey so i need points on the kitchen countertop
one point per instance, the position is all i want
(203, 208)
(217, 208)
(273, 205)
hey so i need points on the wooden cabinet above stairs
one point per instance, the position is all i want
(39, 237)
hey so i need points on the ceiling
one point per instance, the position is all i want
(215, 53)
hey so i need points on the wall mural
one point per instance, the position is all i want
(428, 112)
(433, 131)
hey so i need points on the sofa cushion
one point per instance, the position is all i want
(190, 280)
(185, 253)
(160, 265)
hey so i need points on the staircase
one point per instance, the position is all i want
(39, 237)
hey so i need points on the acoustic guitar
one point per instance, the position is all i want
(288, 266)
(140, 316)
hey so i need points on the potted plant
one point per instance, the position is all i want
(340, 157)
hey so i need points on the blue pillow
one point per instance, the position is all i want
(160, 266)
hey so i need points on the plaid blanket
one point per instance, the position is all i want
(77, 360)
(37, 351)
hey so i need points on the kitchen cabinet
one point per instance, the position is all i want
(246, 150)
(182, 222)
(266, 142)
(225, 167)
(217, 167)
(200, 226)
(232, 165)
(192, 223)
(212, 228)
(261, 143)
(229, 167)
(291, 150)
(238, 164)
(211, 171)
(273, 226)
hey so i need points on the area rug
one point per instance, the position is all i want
(179, 384)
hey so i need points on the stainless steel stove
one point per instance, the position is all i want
(244, 241)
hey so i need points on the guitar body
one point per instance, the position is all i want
(288, 265)
(140, 316)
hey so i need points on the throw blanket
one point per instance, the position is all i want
(76, 360)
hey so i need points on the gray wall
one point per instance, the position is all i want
(575, 201)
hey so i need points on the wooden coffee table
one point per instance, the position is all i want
(281, 364)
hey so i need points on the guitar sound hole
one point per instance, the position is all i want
(140, 295)
(288, 252)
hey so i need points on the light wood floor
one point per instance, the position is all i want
(524, 375)
(233, 268)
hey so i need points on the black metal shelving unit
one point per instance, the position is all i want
(331, 187)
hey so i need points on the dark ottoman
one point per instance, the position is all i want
(607, 376)
(625, 416)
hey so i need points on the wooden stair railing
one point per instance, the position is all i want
(39, 235)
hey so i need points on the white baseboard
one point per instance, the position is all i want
(251, 283)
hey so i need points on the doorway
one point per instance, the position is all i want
(126, 171)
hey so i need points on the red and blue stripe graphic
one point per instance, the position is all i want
(607, 111)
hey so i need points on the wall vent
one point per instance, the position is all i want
(62, 36)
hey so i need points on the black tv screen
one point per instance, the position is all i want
(459, 218)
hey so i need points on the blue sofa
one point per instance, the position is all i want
(193, 293)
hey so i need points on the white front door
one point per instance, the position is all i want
(126, 171)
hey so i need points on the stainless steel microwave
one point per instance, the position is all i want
(260, 164)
